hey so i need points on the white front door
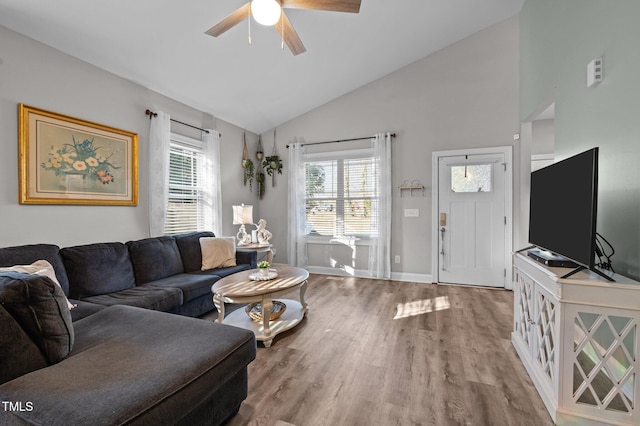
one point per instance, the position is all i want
(472, 220)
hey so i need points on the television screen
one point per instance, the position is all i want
(563, 207)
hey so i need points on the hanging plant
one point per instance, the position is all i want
(260, 151)
(248, 173)
(260, 179)
(247, 165)
(272, 164)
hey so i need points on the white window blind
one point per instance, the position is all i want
(342, 195)
(184, 210)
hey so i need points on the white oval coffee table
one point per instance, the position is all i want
(239, 288)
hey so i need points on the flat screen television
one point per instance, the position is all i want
(563, 209)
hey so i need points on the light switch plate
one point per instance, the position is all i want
(411, 212)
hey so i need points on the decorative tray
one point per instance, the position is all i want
(254, 310)
(257, 276)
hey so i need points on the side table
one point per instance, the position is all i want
(260, 248)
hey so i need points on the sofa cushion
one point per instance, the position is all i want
(155, 258)
(95, 269)
(39, 267)
(84, 309)
(190, 252)
(40, 308)
(24, 255)
(223, 272)
(218, 252)
(191, 285)
(142, 374)
(165, 299)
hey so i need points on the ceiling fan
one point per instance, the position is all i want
(271, 13)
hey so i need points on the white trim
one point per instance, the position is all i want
(542, 157)
(361, 273)
(350, 240)
(411, 277)
(508, 200)
(186, 140)
(339, 155)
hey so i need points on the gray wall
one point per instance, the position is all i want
(42, 77)
(464, 96)
(543, 134)
(558, 40)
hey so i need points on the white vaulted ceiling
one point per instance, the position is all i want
(162, 45)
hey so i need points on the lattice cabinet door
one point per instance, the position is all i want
(523, 308)
(546, 322)
(600, 374)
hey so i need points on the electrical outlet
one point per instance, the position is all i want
(397, 259)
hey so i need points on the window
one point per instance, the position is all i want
(341, 194)
(471, 178)
(185, 211)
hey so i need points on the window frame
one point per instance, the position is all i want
(186, 143)
(339, 156)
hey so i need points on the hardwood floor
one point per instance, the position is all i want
(374, 352)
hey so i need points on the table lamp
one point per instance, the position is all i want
(243, 215)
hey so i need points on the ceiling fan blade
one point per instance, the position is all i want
(230, 21)
(352, 6)
(290, 36)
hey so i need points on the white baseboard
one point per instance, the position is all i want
(415, 278)
(360, 273)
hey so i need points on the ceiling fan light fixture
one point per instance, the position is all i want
(266, 12)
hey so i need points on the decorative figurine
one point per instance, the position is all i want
(263, 235)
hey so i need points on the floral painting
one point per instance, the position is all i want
(71, 161)
(81, 158)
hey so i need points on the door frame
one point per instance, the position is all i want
(508, 203)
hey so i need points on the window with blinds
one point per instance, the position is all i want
(184, 209)
(342, 196)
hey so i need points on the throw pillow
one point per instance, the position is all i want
(40, 267)
(218, 252)
(38, 306)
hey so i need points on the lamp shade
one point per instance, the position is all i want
(265, 12)
(242, 215)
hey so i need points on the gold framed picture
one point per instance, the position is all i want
(66, 160)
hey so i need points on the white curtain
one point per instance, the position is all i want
(380, 248)
(212, 197)
(159, 141)
(297, 219)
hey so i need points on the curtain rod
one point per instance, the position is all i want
(152, 114)
(393, 135)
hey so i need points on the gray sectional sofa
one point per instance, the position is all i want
(128, 353)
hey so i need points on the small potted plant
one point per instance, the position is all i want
(264, 268)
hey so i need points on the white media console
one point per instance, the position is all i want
(579, 339)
